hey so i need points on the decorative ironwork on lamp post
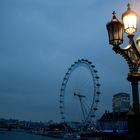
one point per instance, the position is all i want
(131, 53)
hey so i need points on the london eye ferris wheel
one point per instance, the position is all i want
(79, 93)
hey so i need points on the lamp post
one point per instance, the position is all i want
(131, 53)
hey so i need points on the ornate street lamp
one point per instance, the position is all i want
(131, 53)
(115, 31)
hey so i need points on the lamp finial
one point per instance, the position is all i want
(114, 15)
(128, 6)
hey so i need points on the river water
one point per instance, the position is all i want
(12, 135)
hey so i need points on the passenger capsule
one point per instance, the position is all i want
(98, 92)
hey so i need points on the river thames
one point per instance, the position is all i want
(12, 135)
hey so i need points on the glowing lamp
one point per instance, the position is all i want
(129, 19)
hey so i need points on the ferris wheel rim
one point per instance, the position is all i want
(95, 79)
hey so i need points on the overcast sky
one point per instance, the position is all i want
(40, 39)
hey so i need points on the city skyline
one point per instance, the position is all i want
(39, 41)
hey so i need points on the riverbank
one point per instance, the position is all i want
(60, 135)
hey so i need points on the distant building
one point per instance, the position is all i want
(121, 102)
(117, 120)
(113, 122)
